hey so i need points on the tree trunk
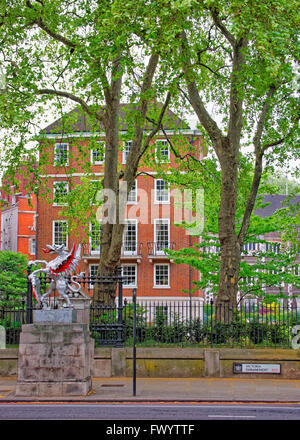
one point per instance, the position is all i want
(104, 291)
(229, 244)
(112, 231)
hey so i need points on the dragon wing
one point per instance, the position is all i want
(69, 263)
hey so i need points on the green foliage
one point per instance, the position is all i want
(268, 268)
(13, 278)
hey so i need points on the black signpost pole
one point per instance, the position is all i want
(134, 341)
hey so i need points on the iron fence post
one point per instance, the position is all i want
(29, 298)
(134, 342)
(120, 307)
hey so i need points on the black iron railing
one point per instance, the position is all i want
(158, 248)
(184, 322)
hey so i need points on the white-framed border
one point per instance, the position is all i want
(134, 202)
(130, 286)
(68, 154)
(154, 277)
(53, 234)
(163, 161)
(160, 202)
(67, 187)
(133, 220)
(98, 162)
(156, 221)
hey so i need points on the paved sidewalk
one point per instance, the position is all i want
(120, 389)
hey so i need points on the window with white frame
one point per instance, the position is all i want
(126, 151)
(132, 196)
(162, 151)
(60, 192)
(130, 238)
(161, 275)
(95, 194)
(162, 192)
(60, 232)
(93, 271)
(129, 274)
(98, 153)
(161, 234)
(95, 237)
(61, 154)
(31, 246)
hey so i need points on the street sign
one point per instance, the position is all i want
(257, 368)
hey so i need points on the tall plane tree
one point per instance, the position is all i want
(93, 54)
(238, 61)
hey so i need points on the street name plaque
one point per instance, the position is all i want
(257, 368)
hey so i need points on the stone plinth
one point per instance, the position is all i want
(81, 306)
(54, 360)
(62, 316)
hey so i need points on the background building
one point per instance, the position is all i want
(150, 212)
(18, 219)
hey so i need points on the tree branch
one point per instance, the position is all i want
(262, 119)
(158, 125)
(39, 22)
(204, 117)
(72, 97)
(222, 28)
(236, 101)
(258, 169)
(265, 147)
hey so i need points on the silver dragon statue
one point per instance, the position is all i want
(59, 270)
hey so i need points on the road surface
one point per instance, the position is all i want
(148, 411)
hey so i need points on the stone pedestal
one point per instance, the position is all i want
(81, 307)
(55, 359)
(62, 316)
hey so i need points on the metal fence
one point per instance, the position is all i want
(197, 324)
(12, 320)
(179, 323)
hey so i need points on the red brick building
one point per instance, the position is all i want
(150, 211)
(18, 217)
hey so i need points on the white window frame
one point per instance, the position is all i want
(91, 286)
(53, 232)
(95, 251)
(95, 201)
(160, 286)
(130, 286)
(160, 202)
(162, 159)
(133, 202)
(125, 152)
(98, 162)
(55, 156)
(156, 222)
(67, 188)
(136, 237)
(32, 246)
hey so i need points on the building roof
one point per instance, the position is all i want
(276, 201)
(77, 121)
